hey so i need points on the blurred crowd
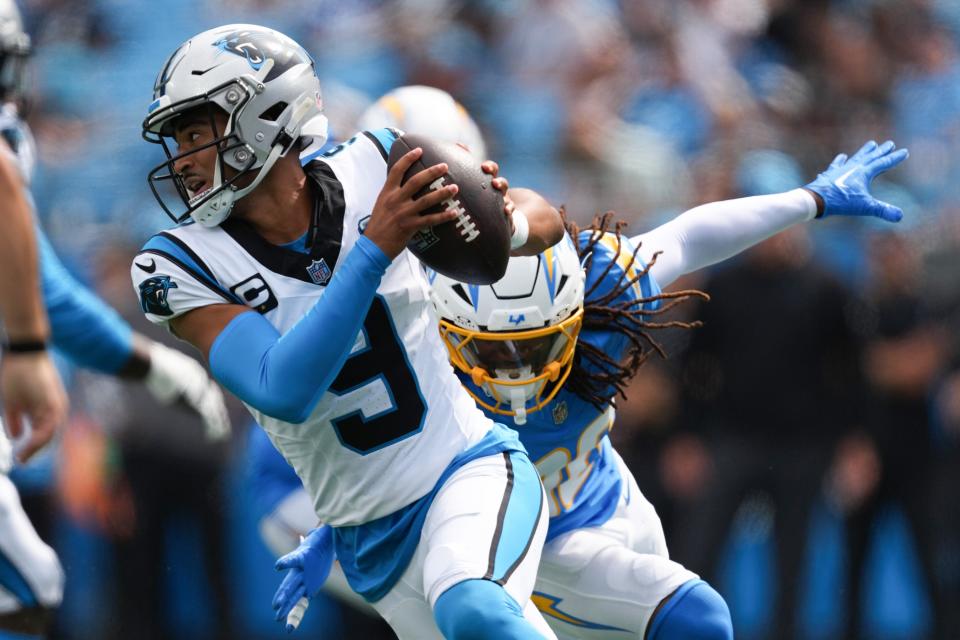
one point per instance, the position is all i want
(822, 392)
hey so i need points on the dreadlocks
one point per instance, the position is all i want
(594, 371)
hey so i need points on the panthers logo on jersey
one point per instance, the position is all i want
(153, 295)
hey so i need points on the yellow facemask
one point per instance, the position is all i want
(514, 367)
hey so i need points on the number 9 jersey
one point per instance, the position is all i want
(396, 415)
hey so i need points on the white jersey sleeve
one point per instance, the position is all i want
(169, 281)
(716, 231)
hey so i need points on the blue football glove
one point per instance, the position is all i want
(307, 569)
(845, 185)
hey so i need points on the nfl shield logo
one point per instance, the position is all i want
(560, 412)
(319, 271)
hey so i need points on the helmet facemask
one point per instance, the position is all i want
(169, 187)
(515, 338)
(515, 368)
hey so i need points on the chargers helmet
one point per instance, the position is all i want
(265, 83)
(515, 338)
(425, 111)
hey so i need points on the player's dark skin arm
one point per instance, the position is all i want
(29, 383)
(21, 303)
(546, 225)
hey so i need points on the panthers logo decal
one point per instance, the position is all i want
(153, 295)
(258, 46)
(242, 43)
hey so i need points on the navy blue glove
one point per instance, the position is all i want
(844, 188)
(307, 569)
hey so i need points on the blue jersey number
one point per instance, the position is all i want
(380, 376)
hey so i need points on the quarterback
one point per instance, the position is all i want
(294, 282)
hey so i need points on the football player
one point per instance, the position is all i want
(83, 327)
(552, 343)
(294, 282)
(286, 514)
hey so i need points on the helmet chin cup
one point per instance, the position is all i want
(518, 404)
(216, 209)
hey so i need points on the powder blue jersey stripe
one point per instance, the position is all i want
(520, 520)
(168, 247)
(385, 137)
(648, 287)
(13, 581)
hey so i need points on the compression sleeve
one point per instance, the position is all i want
(83, 327)
(284, 376)
(714, 232)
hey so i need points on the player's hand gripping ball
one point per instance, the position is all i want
(473, 247)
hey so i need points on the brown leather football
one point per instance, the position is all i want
(473, 247)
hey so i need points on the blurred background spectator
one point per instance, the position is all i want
(645, 108)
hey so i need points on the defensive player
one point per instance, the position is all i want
(83, 328)
(605, 572)
(294, 282)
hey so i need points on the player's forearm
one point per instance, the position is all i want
(714, 232)
(21, 304)
(284, 376)
(543, 219)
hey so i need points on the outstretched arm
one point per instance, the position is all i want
(714, 232)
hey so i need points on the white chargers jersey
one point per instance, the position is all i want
(396, 414)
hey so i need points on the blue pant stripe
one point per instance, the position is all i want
(13, 581)
(523, 512)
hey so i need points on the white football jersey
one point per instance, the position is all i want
(396, 414)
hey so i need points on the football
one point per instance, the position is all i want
(473, 247)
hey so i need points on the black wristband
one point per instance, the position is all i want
(24, 346)
(821, 205)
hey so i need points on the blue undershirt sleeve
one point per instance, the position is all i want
(284, 376)
(83, 327)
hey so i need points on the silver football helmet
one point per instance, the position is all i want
(267, 86)
(14, 49)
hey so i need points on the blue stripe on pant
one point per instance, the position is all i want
(519, 515)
